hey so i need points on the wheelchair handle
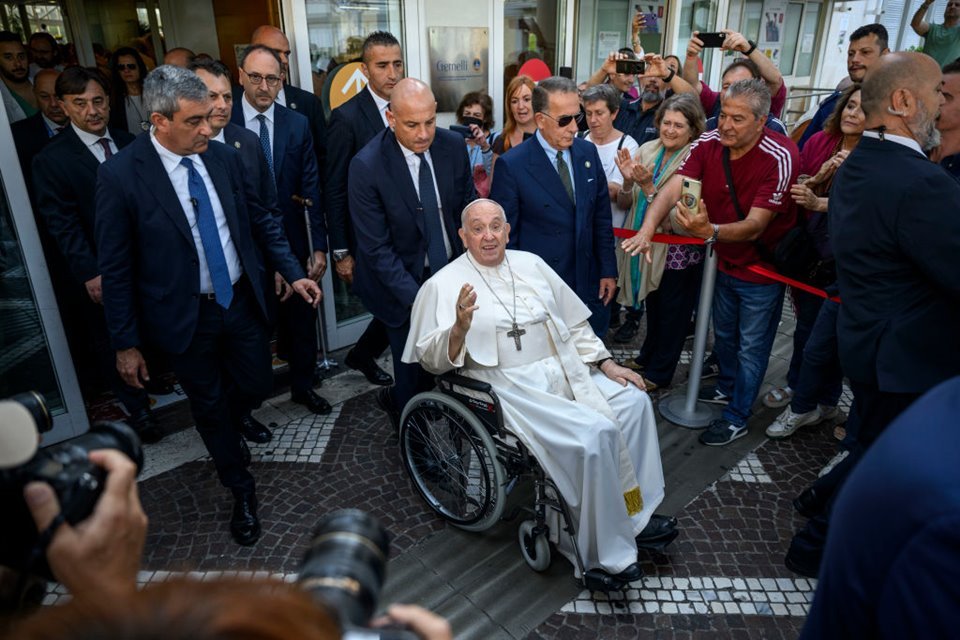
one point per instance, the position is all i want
(452, 378)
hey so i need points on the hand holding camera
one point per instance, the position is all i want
(98, 557)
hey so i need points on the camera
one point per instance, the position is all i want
(344, 569)
(630, 66)
(66, 467)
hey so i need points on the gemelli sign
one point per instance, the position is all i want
(458, 63)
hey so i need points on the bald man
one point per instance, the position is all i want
(291, 97)
(179, 57)
(407, 187)
(897, 246)
(31, 135)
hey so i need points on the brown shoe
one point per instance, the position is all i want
(650, 385)
(633, 365)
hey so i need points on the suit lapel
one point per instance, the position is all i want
(281, 129)
(542, 169)
(580, 185)
(400, 171)
(218, 175)
(154, 175)
(369, 111)
(443, 170)
(84, 155)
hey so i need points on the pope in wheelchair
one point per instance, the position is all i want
(507, 319)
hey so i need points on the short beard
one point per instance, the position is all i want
(651, 96)
(11, 78)
(925, 130)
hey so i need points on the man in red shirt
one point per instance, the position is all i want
(746, 306)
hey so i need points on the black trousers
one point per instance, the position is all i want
(408, 379)
(372, 343)
(297, 341)
(226, 364)
(669, 308)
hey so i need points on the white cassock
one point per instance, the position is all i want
(594, 438)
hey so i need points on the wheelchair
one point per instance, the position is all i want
(464, 463)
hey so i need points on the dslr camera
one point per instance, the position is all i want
(66, 467)
(344, 569)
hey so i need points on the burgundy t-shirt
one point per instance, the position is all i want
(709, 98)
(762, 178)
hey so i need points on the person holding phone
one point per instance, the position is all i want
(746, 171)
(475, 119)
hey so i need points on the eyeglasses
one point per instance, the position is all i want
(127, 67)
(256, 78)
(564, 121)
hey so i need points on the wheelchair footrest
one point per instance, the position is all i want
(600, 580)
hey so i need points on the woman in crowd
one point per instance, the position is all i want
(127, 71)
(815, 379)
(518, 110)
(601, 104)
(476, 111)
(669, 284)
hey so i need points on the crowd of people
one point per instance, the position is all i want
(190, 218)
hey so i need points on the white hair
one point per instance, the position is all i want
(478, 201)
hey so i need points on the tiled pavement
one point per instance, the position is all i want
(722, 578)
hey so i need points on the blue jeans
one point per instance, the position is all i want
(820, 380)
(806, 306)
(745, 318)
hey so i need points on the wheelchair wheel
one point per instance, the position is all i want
(534, 546)
(452, 461)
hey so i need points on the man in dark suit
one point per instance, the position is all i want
(897, 251)
(182, 235)
(284, 136)
(352, 125)
(33, 134)
(554, 191)
(407, 187)
(65, 175)
(291, 97)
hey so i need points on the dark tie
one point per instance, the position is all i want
(105, 143)
(436, 250)
(209, 236)
(265, 142)
(565, 176)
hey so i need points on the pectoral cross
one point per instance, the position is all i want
(515, 333)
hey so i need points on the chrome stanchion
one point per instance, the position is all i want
(686, 410)
(324, 362)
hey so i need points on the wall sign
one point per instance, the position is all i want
(459, 63)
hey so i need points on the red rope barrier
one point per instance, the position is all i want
(755, 268)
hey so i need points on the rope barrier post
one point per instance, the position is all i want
(325, 362)
(686, 410)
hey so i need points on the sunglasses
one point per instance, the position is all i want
(127, 67)
(564, 121)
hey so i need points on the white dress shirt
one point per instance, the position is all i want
(51, 125)
(92, 143)
(251, 122)
(220, 137)
(179, 177)
(552, 156)
(905, 141)
(281, 97)
(381, 105)
(413, 163)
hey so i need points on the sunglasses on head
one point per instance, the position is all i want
(563, 121)
(127, 67)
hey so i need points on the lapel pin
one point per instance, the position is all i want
(237, 144)
(293, 105)
(587, 164)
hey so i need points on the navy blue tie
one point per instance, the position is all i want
(265, 143)
(209, 236)
(436, 249)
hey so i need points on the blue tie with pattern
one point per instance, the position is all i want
(436, 249)
(265, 143)
(209, 236)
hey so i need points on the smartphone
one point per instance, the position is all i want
(690, 194)
(712, 39)
(636, 67)
(462, 130)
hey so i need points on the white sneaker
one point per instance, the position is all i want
(828, 413)
(788, 422)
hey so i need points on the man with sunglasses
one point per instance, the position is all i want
(288, 147)
(554, 191)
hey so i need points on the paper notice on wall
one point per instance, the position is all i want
(771, 29)
(608, 41)
(806, 43)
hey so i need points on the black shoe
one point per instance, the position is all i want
(244, 524)
(711, 368)
(385, 401)
(627, 331)
(146, 426)
(312, 401)
(809, 503)
(615, 320)
(658, 527)
(600, 580)
(245, 453)
(254, 430)
(370, 370)
(803, 560)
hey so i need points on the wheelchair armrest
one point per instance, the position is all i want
(451, 378)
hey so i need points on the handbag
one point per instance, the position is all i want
(795, 255)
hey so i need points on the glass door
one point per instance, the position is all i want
(33, 347)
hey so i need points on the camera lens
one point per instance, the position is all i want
(33, 402)
(345, 566)
(112, 435)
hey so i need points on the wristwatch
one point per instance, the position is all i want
(753, 47)
(669, 77)
(340, 254)
(653, 195)
(716, 234)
